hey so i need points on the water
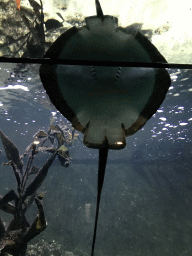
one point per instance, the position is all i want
(146, 199)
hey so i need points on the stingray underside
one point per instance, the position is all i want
(105, 103)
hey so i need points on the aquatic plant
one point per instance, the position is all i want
(15, 236)
(26, 36)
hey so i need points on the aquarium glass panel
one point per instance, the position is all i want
(146, 198)
(28, 28)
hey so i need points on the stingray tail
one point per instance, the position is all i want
(98, 9)
(103, 153)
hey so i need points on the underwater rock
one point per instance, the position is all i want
(43, 248)
(52, 24)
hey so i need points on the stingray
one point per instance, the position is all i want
(105, 103)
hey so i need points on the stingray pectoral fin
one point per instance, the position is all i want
(137, 125)
(77, 125)
(160, 88)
